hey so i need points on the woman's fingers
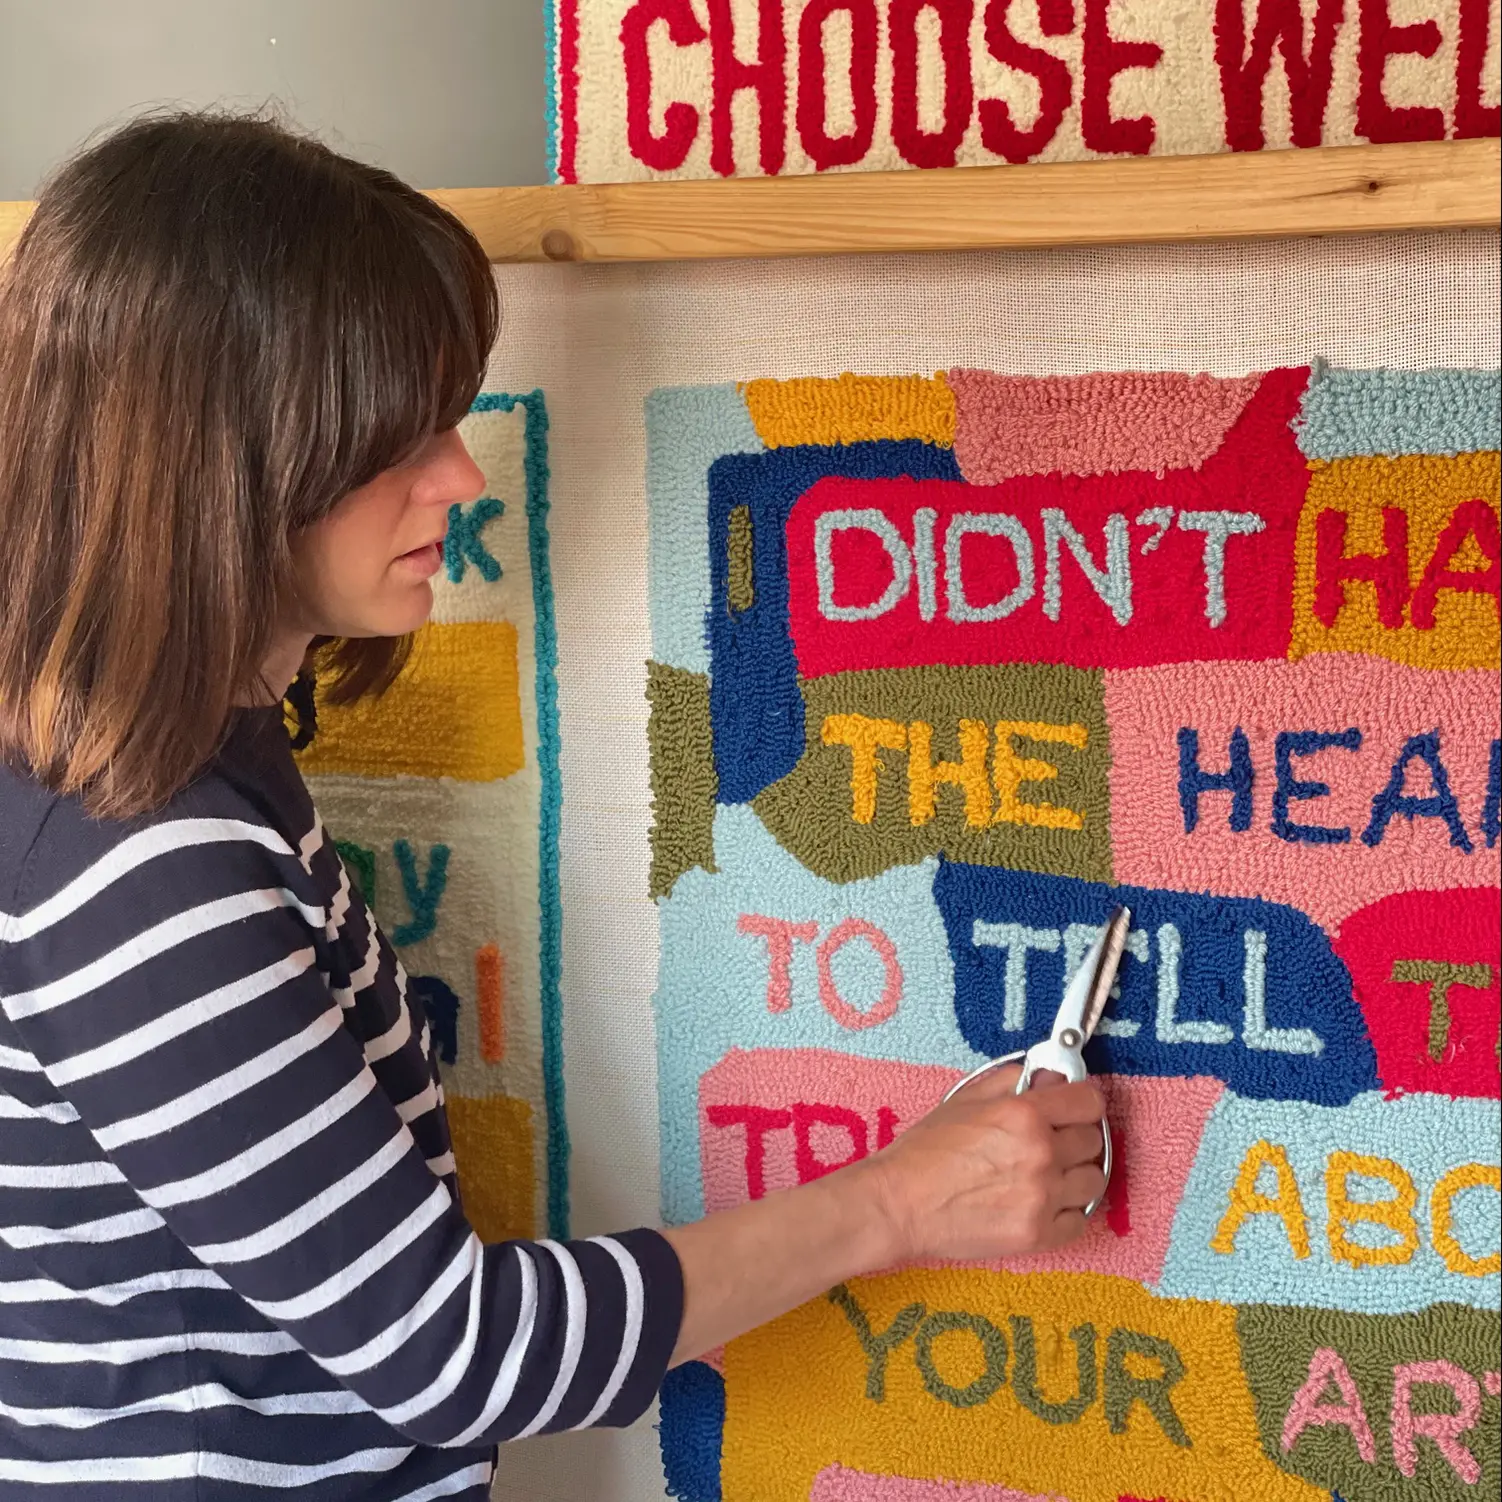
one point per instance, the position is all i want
(1081, 1186)
(1076, 1144)
(994, 1084)
(1069, 1105)
(1069, 1225)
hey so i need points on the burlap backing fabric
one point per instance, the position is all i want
(597, 340)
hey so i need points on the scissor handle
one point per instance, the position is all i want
(1033, 1059)
(986, 1068)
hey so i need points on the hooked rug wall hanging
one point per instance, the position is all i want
(700, 88)
(942, 666)
(444, 796)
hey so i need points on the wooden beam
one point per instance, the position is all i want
(13, 217)
(1332, 190)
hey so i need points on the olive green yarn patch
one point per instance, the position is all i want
(684, 785)
(1378, 1407)
(996, 766)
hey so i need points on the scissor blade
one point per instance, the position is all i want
(1087, 994)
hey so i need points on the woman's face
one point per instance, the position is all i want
(364, 570)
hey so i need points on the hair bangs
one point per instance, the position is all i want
(409, 340)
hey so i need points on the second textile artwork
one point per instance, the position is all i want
(444, 797)
(943, 668)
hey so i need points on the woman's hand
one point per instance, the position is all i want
(986, 1175)
(992, 1174)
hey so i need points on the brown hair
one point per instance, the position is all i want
(211, 330)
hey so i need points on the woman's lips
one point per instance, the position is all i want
(425, 560)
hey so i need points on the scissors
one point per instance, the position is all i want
(1079, 1013)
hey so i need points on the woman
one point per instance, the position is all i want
(232, 1257)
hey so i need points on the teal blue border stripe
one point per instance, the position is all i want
(549, 892)
(550, 65)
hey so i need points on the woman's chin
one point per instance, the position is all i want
(397, 617)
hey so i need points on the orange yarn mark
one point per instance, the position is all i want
(490, 985)
(1395, 1212)
(1246, 1200)
(1442, 1207)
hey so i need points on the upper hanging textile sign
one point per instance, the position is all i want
(697, 88)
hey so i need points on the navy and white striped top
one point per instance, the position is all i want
(232, 1257)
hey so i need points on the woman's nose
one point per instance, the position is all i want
(454, 475)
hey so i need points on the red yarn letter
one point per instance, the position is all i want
(765, 77)
(1376, 119)
(805, 1118)
(758, 1121)
(1387, 571)
(1104, 58)
(1472, 117)
(681, 121)
(921, 147)
(998, 131)
(825, 150)
(1470, 519)
(1243, 73)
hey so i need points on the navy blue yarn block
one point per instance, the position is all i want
(691, 1403)
(442, 1008)
(754, 699)
(1306, 986)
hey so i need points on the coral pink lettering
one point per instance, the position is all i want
(780, 934)
(1310, 1406)
(1330, 1395)
(1444, 1429)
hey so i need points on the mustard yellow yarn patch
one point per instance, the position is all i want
(1353, 589)
(1076, 1385)
(851, 409)
(455, 711)
(492, 1138)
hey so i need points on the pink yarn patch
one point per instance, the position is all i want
(837, 1484)
(1090, 424)
(773, 1118)
(754, 1141)
(1388, 703)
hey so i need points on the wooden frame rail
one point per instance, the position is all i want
(1332, 190)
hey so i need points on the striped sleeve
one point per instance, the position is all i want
(175, 989)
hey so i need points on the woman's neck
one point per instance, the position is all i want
(280, 666)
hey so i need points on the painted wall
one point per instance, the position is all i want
(446, 93)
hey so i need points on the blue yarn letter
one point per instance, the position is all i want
(1236, 780)
(461, 543)
(1291, 743)
(1490, 809)
(442, 1009)
(1392, 800)
(423, 897)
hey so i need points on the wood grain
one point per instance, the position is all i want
(13, 217)
(1338, 190)
(1333, 190)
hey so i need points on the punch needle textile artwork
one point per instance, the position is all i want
(444, 796)
(700, 88)
(942, 668)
